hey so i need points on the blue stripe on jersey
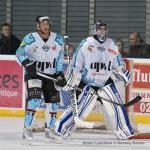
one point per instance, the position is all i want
(27, 40)
(59, 39)
(76, 53)
(118, 60)
(60, 61)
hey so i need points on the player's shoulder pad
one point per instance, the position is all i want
(59, 39)
(28, 39)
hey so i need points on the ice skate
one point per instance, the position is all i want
(27, 134)
(50, 134)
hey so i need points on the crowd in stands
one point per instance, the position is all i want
(138, 48)
(8, 42)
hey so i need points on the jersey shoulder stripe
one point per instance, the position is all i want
(27, 40)
(59, 39)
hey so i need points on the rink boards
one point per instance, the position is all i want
(12, 101)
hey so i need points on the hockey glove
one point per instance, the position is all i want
(30, 68)
(60, 81)
(123, 75)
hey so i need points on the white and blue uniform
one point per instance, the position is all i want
(48, 57)
(96, 62)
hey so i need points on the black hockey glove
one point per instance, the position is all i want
(60, 80)
(30, 68)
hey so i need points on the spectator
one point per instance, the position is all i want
(138, 47)
(8, 42)
(120, 44)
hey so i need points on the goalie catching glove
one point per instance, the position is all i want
(123, 75)
(30, 68)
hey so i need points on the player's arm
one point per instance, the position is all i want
(60, 79)
(73, 74)
(21, 53)
(119, 70)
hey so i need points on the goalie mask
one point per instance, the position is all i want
(99, 30)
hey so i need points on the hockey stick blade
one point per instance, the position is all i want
(133, 101)
(130, 103)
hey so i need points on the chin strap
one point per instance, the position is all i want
(96, 38)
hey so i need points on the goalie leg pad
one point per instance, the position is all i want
(86, 101)
(116, 116)
(65, 124)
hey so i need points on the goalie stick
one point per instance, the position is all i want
(78, 122)
(85, 124)
(129, 103)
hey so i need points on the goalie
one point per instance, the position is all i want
(95, 60)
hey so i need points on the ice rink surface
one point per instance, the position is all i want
(11, 139)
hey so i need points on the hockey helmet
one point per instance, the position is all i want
(39, 19)
(100, 35)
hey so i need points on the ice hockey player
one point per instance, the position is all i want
(93, 64)
(41, 51)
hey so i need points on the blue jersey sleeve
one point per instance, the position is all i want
(60, 59)
(60, 62)
(21, 51)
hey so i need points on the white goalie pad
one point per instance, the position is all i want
(116, 116)
(73, 78)
(85, 103)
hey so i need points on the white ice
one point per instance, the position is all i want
(11, 139)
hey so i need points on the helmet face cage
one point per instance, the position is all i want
(95, 27)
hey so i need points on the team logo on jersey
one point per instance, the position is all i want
(45, 47)
(100, 66)
(101, 48)
(45, 65)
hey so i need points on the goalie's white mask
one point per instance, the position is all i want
(99, 30)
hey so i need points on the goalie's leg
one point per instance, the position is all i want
(116, 116)
(86, 101)
(33, 101)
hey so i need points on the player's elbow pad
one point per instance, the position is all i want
(123, 75)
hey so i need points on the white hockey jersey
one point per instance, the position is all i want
(95, 61)
(49, 55)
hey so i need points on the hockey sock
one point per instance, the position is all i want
(29, 118)
(51, 110)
